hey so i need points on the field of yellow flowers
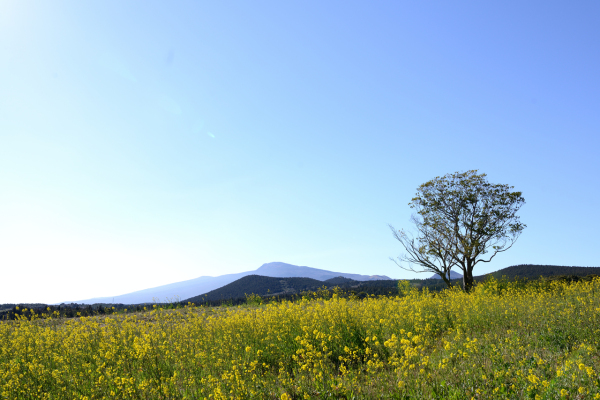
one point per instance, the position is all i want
(502, 341)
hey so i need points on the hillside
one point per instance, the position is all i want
(260, 285)
(531, 271)
(265, 286)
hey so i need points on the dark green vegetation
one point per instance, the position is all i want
(535, 271)
(14, 311)
(10, 306)
(258, 285)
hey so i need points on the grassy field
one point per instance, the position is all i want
(503, 341)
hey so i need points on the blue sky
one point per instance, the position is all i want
(144, 143)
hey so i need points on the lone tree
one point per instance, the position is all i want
(461, 220)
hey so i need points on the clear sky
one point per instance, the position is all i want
(149, 142)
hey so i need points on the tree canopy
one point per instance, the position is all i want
(461, 220)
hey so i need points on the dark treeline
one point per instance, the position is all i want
(8, 306)
(30, 311)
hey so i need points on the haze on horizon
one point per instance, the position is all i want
(144, 143)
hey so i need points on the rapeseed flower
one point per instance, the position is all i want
(510, 343)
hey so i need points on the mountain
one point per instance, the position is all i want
(283, 270)
(453, 275)
(194, 287)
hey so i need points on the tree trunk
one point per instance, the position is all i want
(468, 277)
(468, 282)
(446, 278)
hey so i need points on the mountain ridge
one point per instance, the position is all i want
(204, 284)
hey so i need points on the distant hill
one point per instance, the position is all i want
(453, 275)
(260, 285)
(531, 271)
(283, 270)
(341, 281)
(205, 284)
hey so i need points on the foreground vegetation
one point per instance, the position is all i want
(505, 340)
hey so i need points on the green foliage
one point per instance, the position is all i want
(461, 220)
(405, 288)
(253, 300)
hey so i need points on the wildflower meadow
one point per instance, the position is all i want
(501, 341)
